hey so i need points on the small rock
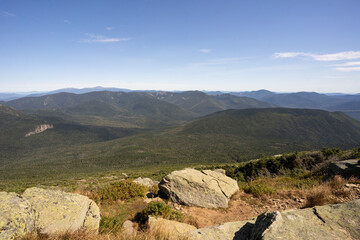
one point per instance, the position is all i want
(129, 228)
(225, 231)
(220, 170)
(173, 229)
(147, 182)
(149, 200)
(150, 195)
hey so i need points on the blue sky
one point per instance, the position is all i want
(231, 45)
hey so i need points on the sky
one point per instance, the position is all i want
(227, 45)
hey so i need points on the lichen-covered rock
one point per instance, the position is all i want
(16, 216)
(147, 182)
(225, 231)
(199, 188)
(169, 228)
(335, 221)
(58, 211)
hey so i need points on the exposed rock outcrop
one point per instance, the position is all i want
(346, 168)
(206, 188)
(58, 211)
(335, 221)
(147, 182)
(39, 129)
(17, 216)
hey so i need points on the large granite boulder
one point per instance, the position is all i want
(345, 168)
(17, 217)
(206, 188)
(59, 211)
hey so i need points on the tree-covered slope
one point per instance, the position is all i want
(204, 104)
(228, 136)
(116, 109)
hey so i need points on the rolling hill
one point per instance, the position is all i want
(349, 104)
(116, 109)
(204, 104)
(15, 125)
(132, 109)
(227, 136)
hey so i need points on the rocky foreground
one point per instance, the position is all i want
(52, 212)
(335, 221)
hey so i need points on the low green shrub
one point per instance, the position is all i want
(122, 190)
(158, 208)
(355, 153)
(258, 189)
(111, 224)
(331, 152)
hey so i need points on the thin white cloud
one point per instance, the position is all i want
(7, 14)
(67, 21)
(109, 28)
(205, 50)
(320, 57)
(348, 69)
(94, 38)
(347, 64)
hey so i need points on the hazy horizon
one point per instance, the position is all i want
(202, 90)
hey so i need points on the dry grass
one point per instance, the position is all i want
(157, 234)
(332, 191)
(272, 185)
(319, 196)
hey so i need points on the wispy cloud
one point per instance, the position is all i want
(94, 38)
(347, 69)
(320, 57)
(67, 21)
(109, 28)
(7, 14)
(348, 64)
(205, 50)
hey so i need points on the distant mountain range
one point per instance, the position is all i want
(132, 109)
(11, 96)
(349, 104)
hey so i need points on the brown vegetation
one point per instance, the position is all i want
(157, 234)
